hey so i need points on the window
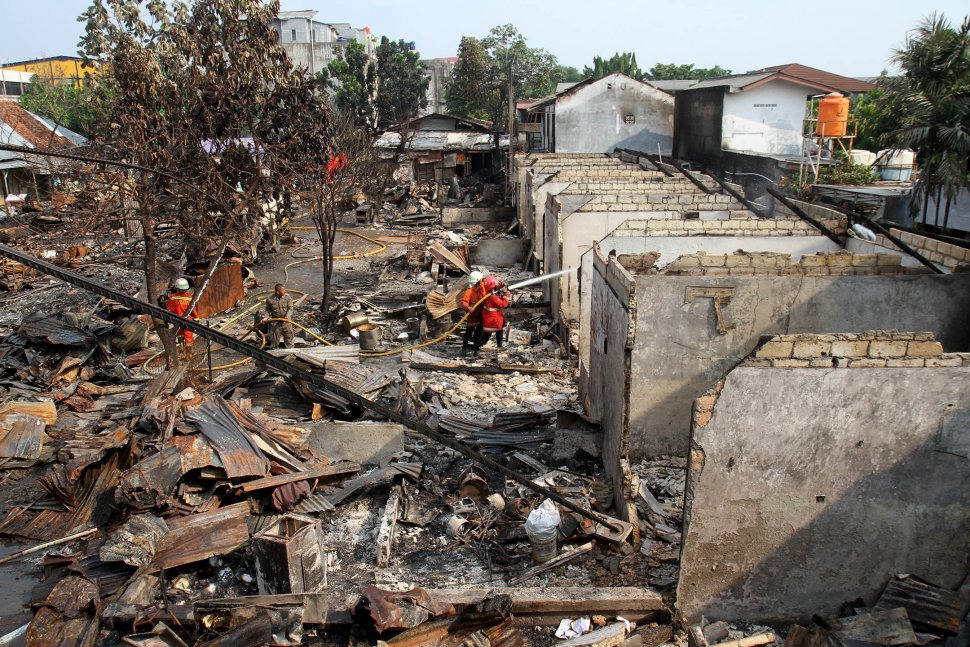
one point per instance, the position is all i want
(293, 35)
(629, 119)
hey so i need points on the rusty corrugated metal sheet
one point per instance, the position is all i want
(924, 603)
(224, 291)
(21, 436)
(236, 448)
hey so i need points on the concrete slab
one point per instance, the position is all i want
(365, 443)
(498, 252)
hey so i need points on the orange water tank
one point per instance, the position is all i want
(833, 115)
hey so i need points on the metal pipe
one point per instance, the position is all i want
(315, 379)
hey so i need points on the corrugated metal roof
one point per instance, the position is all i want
(736, 82)
(438, 140)
(673, 85)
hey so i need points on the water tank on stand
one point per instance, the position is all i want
(896, 165)
(833, 116)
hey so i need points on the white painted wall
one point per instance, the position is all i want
(593, 118)
(670, 249)
(767, 119)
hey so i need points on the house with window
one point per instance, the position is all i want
(313, 44)
(600, 115)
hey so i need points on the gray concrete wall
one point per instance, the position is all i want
(497, 252)
(610, 346)
(593, 118)
(670, 248)
(678, 353)
(761, 546)
(451, 216)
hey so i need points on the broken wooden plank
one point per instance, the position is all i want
(565, 558)
(327, 472)
(48, 544)
(890, 627)
(925, 604)
(201, 536)
(609, 636)
(385, 535)
(756, 640)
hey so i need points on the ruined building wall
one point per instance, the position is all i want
(816, 477)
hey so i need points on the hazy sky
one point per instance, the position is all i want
(850, 37)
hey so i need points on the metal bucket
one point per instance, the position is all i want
(370, 336)
(414, 327)
(353, 320)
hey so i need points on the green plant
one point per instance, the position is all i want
(847, 172)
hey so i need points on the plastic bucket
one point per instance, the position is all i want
(545, 546)
(370, 336)
(414, 327)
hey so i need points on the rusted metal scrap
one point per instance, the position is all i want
(201, 536)
(489, 622)
(68, 617)
(136, 541)
(240, 454)
(290, 557)
(21, 436)
(393, 610)
(150, 482)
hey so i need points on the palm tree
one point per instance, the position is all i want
(932, 101)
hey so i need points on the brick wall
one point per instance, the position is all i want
(874, 349)
(740, 223)
(772, 264)
(663, 201)
(946, 254)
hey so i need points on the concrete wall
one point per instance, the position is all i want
(669, 248)
(810, 487)
(451, 216)
(767, 119)
(497, 252)
(593, 118)
(679, 354)
(611, 344)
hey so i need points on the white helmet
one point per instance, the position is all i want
(181, 284)
(475, 277)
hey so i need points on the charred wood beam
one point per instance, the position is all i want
(315, 379)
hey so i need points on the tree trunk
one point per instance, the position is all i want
(946, 216)
(165, 333)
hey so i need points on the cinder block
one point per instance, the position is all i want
(712, 260)
(775, 349)
(924, 348)
(864, 260)
(738, 260)
(946, 360)
(867, 363)
(885, 349)
(791, 363)
(814, 260)
(840, 260)
(850, 348)
(909, 362)
(821, 362)
(811, 349)
(888, 259)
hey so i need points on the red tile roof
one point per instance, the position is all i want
(27, 125)
(844, 84)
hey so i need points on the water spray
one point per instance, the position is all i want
(542, 278)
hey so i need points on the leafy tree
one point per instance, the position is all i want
(402, 89)
(488, 64)
(625, 63)
(568, 74)
(874, 115)
(672, 71)
(185, 84)
(931, 105)
(353, 77)
(75, 107)
(471, 90)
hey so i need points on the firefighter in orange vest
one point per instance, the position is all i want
(178, 303)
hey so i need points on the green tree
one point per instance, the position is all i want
(471, 90)
(78, 108)
(624, 63)
(672, 71)
(568, 74)
(931, 103)
(353, 79)
(402, 88)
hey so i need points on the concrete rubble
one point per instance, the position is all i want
(231, 502)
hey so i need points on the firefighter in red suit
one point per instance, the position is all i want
(178, 303)
(493, 312)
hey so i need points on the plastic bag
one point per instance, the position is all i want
(543, 521)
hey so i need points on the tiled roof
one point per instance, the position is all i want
(29, 127)
(844, 84)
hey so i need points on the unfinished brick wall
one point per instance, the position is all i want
(948, 255)
(874, 349)
(772, 264)
(740, 223)
(663, 201)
